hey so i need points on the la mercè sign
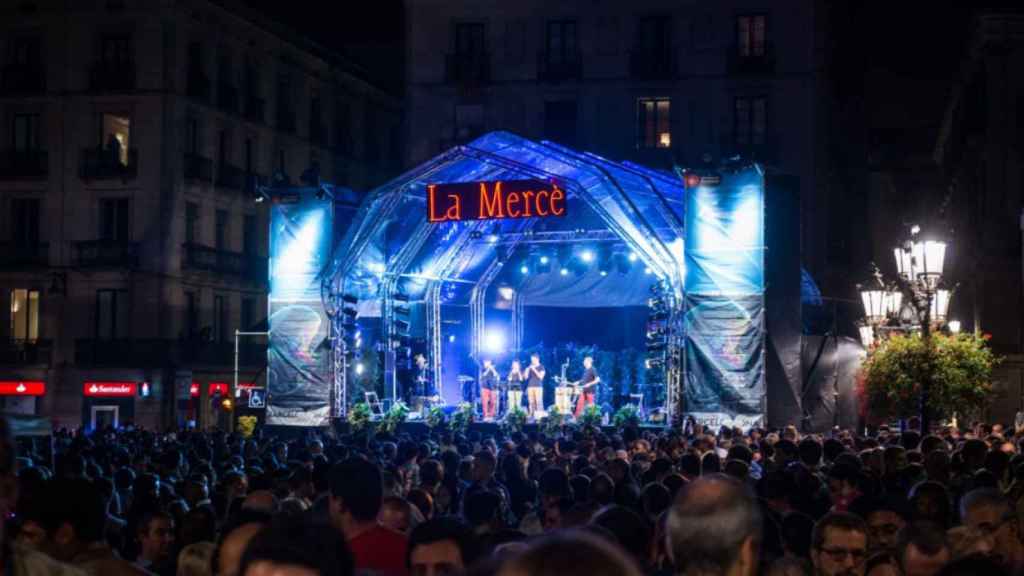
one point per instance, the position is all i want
(494, 200)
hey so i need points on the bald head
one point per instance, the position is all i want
(715, 527)
(261, 501)
(229, 558)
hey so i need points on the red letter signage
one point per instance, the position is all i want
(22, 388)
(109, 389)
(494, 200)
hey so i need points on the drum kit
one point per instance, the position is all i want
(566, 395)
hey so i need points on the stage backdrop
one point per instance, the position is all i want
(724, 285)
(299, 357)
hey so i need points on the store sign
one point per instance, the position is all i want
(495, 200)
(22, 387)
(212, 389)
(109, 389)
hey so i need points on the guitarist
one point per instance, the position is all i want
(587, 386)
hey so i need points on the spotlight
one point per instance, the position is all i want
(359, 368)
(647, 271)
(564, 271)
(506, 292)
(492, 238)
(524, 270)
(632, 256)
(604, 272)
(544, 260)
(587, 256)
(494, 341)
(451, 338)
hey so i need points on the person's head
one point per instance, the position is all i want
(484, 465)
(441, 546)
(989, 511)
(534, 360)
(631, 531)
(588, 362)
(839, 545)
(885, 520)
(423, 502)
(882, 564)
(929, 502)
(488, 363)
(196, 559)
(262, 500)
(399, 515)
(714, 526)
(74, 516)
(516, 365)
(357, 491)
(789, 566)
(294, 546)
(233, 540)
(482, 509)
(431, 473)
(570, 553)
(155, 536)
(923, 550)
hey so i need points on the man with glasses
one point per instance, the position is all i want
(839, 545)
(988, 511)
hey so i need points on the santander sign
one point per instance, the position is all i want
(109, 389)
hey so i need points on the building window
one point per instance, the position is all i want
(116, 132)
(469, 121)
(111, 314)
(655, 36)
(469, 39)
(191, 222)
(191, 315)
(653, 122)
(115, 219)
(250, 239)
(24, 314)
(221, 237)
(219, 319)
(116, 49)
(26, 51)
(25, 132)
(751, 121)
(750, 35)
(561, 42)
(560, 122)
(248, 319)
(25, 222)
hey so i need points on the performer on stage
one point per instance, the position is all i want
(489, 389)
(515, 387)
(422, 384)
(588, 386)
(535, 385)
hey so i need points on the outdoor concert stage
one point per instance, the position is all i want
(505, 248)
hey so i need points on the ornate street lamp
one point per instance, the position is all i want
(867, 335)
(954, 326)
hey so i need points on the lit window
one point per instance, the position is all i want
(654, 123)
(24, 314)
(117, 131)
(750, 121)
(750, 35)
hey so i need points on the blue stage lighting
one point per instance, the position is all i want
(604, 272)
(632, 256)
(524, 270)
(544, 259)
(647, 271)
(492, 238)
(451, 338)
(564, 271)
(359, 368)
(587, 256)
(494, 341)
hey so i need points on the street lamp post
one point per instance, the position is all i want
(919, 265)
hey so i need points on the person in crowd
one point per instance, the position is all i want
(399, 515)
(923, 550)
(442, 546)
(988, 511)
(355, 501)
(155, 539)
(570, 553)
(714, 527)
(196, 559)
(227, 557)
(291, 546)
(839, 545)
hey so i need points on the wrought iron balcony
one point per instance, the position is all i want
(227, 97)
(197, 257)
(751, 65)
(550, 69)
(652, 64)
(106, 164)
(26, 352)
(107, 254)
(123, 352)
(112, 76)
(24, 255)
(473, 68)
(24, 79)
(24, 165)
(197, 167)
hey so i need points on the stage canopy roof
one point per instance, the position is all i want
(637, 208)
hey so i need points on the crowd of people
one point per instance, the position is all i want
(586, 502)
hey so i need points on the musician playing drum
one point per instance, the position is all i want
(588, 386)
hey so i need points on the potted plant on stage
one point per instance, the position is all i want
(552, 423)
(436, 418)
(515, 419)
(462, 418)
(394, 417)
(627, 417)
(591, 417)
(359, 417)
(958, 368)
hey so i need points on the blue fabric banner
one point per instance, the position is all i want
(299, 362)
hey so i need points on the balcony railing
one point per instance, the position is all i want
(197, 167)
(23, 165)
(204, 258)
(254, 109)
(751, 65)
(550, 69)
(105, 164)
(473, 68)
(24, 79)
(107, 254)
(651, 65)
(112, 76)
(229, 177)
(198, 85)
(24, 255)
(26, 352)
(123, 352)
(227, 97)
